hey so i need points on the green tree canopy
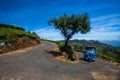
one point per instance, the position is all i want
(70, 25)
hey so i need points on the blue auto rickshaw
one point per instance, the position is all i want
(90, 54)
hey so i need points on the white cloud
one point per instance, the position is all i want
(49, 33)
(102, 28)
(106, 24)
(106, 21)
(101, 18)
(99, 34)
(95, 34)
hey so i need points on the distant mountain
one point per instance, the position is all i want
(89, 43)
(113, 43)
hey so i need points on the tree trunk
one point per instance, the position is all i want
(66, 42)
(68, 49)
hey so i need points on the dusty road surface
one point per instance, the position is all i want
(37, 64)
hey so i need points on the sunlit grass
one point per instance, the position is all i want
(5, 32)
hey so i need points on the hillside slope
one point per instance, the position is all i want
(13, 38)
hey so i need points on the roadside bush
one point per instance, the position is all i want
(108, 58)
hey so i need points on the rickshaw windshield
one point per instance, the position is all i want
(90, 49)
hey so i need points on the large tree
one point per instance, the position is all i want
(70, 25)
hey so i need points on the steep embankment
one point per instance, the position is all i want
(13, 38)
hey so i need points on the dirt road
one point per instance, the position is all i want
(37, 64)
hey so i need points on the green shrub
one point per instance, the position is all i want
(60, 44)
(10, 40)
(11, 27)
(107, 57)
(20, 33)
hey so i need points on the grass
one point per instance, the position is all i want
(6, 32)
(107, 57)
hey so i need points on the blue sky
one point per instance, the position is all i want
(33, 15)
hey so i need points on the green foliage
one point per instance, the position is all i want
(60, 45)
(78, 47)
(107, 57)
(35, 34)
(10, 40)
(11, 27)
(70, 25)
(5, 31)
(10, 33)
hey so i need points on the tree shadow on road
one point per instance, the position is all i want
(54, 53)
(81, 59)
